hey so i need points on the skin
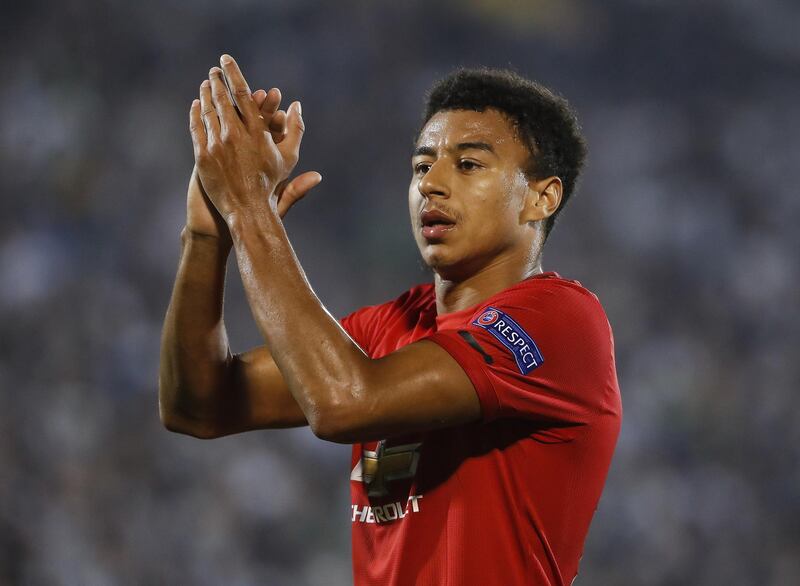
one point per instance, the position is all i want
(330, 384)
(204, 390)
(202, 219)
(470, 165)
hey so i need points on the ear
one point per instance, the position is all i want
(544, 197)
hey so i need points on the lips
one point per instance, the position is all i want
(436, 224)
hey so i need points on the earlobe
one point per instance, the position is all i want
(544, 197)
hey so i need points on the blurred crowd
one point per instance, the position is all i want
(685, 225)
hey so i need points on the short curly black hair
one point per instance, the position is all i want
(545, 121)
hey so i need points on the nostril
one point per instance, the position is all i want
(430, 190)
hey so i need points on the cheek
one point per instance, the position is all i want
(496, 205)
(515, 186)
(492, 201)
(414, 197)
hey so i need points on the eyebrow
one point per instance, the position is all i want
(462, 146)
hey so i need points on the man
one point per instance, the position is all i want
(483, 409)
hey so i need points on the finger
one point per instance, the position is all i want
(290, 147)
(228, 118)
(258, 97)
(271, 103)
(240, 91)
(208, 112)
(277, 126)
(197, 129)
(297, 190)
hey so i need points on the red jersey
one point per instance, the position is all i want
(508, 499)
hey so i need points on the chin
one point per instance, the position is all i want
(435, 255)
(445, 263)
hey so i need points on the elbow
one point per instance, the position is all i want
(181, 426)
(344, 403)
(330, 431)
(176, 422)
(171, 423)
(342, 421)
(329, 426)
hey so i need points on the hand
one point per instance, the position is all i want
(240, 165)
(288, 192)
(203, 219)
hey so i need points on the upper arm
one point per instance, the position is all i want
(256, 396)
(416, 388)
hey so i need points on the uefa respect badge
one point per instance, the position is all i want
(512, 336)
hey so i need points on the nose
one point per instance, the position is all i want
(434, 182)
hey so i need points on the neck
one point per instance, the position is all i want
(457, 294)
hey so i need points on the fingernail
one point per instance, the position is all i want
(215, 71)
(205, 83)
(299, 107)
(226, 58)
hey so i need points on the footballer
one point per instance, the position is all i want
(483, 408)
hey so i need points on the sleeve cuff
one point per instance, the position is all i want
(475, 369)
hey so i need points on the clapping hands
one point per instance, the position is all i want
(245, 148)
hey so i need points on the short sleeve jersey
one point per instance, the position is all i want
(507, 499)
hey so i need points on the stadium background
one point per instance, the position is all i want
(685, 226)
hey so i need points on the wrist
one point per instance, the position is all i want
(263, 220)
(221, 242)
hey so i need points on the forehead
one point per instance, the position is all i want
(451, 127)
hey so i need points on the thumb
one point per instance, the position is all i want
(295, 127)
(296, 190)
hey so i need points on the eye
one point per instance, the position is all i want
(422, 168)
(468, 165)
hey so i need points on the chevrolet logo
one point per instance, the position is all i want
(383, 465)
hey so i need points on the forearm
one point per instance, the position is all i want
(194, 344)
(326, 372)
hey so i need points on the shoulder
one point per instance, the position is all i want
(419, 296)
(552, 297)
(416, 298)
(564, 319)
(542, 347)
(365, 323)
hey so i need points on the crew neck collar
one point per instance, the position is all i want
(458, 316)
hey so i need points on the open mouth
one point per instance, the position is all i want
(436, 224)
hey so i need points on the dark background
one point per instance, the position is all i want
(685, 226)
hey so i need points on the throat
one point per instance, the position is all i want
(457, 295)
